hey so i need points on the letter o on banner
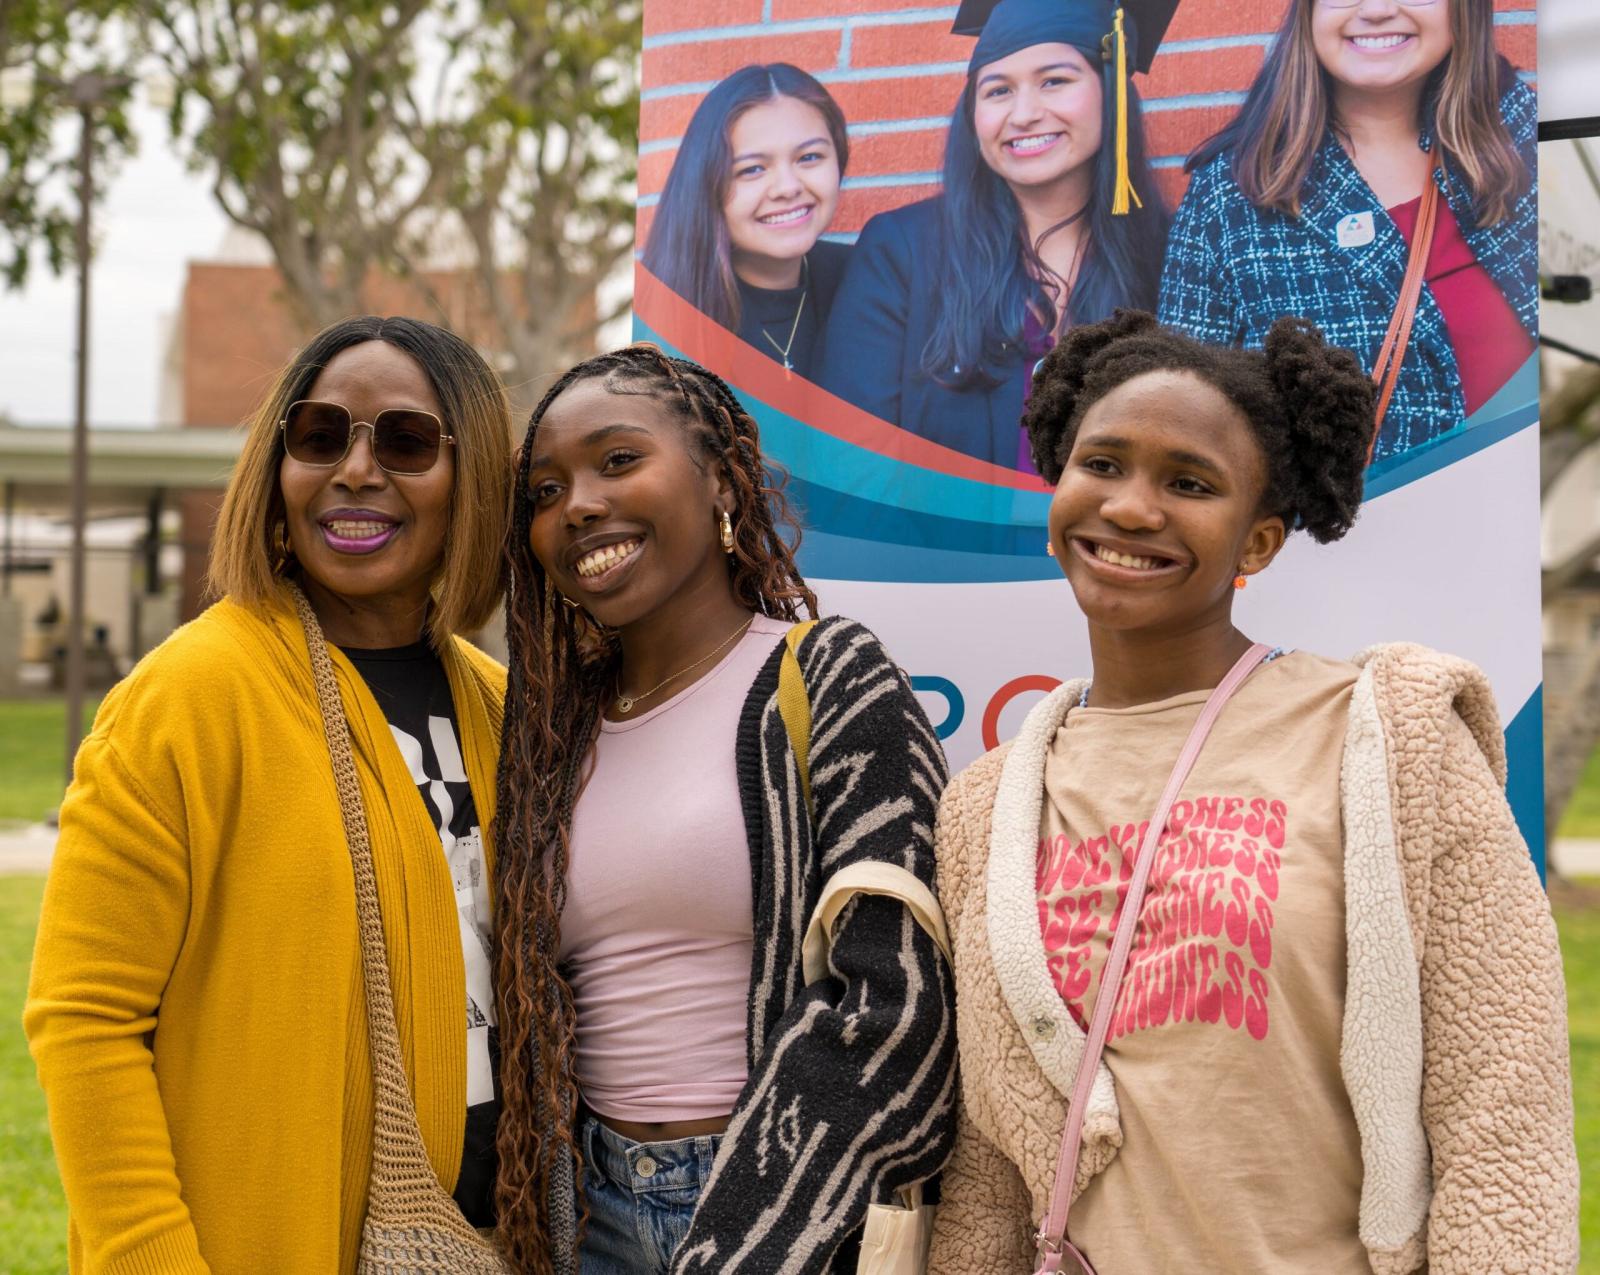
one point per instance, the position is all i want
(952, 693)
(1015, 687)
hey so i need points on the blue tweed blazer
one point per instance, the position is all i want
(1232, 268)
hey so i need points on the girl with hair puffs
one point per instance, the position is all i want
(1339, 1044)
(1309, 203)
(754, 185)
(675, 1092)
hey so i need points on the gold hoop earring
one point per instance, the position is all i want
(588, 629)
(727, 532)
(282, 550)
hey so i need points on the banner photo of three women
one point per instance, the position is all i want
(874, 222)
(1043, 206)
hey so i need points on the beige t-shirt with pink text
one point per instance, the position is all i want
(1240, 1151)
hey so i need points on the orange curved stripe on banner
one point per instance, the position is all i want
(708, 342)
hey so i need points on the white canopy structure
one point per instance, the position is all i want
(1569, 57)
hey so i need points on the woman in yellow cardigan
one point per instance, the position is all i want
(196, 1009)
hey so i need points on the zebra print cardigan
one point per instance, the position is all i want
(852, 1078)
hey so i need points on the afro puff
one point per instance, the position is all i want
(1309, 404)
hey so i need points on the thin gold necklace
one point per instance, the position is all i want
(805, 291)
(625, 703)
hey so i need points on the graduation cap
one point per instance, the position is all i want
(1088, 24)
(1103, 27)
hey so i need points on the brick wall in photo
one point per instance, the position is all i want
(896, 72)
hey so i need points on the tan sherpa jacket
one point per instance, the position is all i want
(1454, 1051)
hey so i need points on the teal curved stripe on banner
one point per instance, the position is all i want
(839, 513)
(1514, 406)
(814, 457)
(1525, 774)
(872, 517)
(824, 556)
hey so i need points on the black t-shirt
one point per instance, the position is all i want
(769, 317)
(411, 687)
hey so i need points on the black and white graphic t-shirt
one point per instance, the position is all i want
(410, 686)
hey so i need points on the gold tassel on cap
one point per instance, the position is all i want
(1124, 191)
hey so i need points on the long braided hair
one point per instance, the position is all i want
(563, 671)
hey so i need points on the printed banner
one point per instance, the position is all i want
(844, 211)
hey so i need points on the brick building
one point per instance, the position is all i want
(896, 71)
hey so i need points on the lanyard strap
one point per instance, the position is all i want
(1051, 1239)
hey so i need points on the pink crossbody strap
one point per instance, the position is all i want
(1051, 1239)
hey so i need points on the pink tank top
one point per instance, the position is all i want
(657, 930)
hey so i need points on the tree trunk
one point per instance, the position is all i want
(1571, 736)
(1569, 741)
(1567, 403)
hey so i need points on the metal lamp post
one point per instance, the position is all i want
(86, 92)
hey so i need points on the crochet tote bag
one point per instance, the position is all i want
(413, 1226)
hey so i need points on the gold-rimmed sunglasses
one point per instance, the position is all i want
(405, 440)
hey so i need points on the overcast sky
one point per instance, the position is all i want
(155, 218)
(1569, 46)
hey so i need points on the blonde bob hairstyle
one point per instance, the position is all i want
(476, 411)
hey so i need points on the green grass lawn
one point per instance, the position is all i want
(33, 1216)
(1582, 817)
(32, 745)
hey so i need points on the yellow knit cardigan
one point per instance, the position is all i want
(196, 1009)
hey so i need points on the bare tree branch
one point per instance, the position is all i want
(339, 135)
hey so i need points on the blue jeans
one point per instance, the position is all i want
(641, 1196)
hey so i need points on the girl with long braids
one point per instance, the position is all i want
(670, 1073)
(1338, 1041)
